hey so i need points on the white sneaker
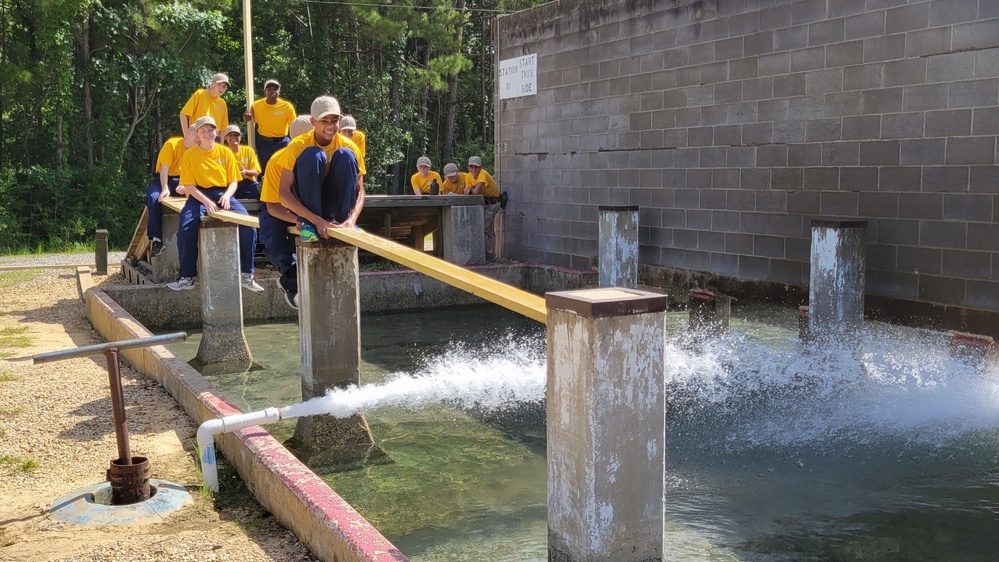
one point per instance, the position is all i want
(182, 284)
(249, 284)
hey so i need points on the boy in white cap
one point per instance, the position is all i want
(348, 128)
(279, 246)
(481, 182)
(320, 179)
(421, 180)
(454, 181)
(249, 166)
(207, 102)
(273, 115)
(209, 173)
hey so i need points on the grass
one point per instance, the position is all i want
(39, 249)
(11, 337)
(18, 276)
(8, 412)
(18, 464)
(7, 377)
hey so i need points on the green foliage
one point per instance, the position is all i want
(67, 168)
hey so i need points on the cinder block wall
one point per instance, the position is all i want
(734, 123)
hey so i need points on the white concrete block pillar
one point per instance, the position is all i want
(606, 425)
(618, 259)
(166, 266)
(222, 339)
(836, 284)
(463, 234)
(329, 317)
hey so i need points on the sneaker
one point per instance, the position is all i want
(308, 232)
(182, 284)
(157, 247)
(248, 283)
(290, 297)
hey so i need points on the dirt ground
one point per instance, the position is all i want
(57, 436)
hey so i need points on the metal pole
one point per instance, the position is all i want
(102, 347)
(118, 407)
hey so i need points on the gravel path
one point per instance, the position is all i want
(78, 258)
(57, 436)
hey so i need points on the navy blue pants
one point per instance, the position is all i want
(154, 224)
(190, 223)
(279, 247)
(266, 149)
(331, 194)
(247, 189)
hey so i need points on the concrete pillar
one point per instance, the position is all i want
(463, 237)
(101, 251)
(606, 425)
(329, 317)
(166, 266)
(618, 259)
(836, 287)
(708, 311)
(222, 339)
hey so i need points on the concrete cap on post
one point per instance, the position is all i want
(606, 302)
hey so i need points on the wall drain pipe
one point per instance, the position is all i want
(228, 424)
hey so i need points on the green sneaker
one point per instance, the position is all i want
(308, 232)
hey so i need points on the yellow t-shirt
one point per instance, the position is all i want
(202, 103)
(423, 183)
(209, 168)
(457, 187)
(247, 158)
(271, 185)
(490, 189)
(360, 140)
(273, 120)
(171, 154)
(303, 141)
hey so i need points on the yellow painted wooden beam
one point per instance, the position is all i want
(507, 296)
(494, 291)
(177, 203)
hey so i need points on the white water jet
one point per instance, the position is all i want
(487, 382)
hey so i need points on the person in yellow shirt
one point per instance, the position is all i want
(480, 182)
(209, 173)
(273, 116)
(207, 102)
(454, 181)
(348, 128)
(279, 246)
(320, 179)
(423, 179)
(164, 184)
(249, 166)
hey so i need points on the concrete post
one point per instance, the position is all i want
(836, 287)
(464, 239)
(708, 311)
(618, 260)
(606, 425)
(222, 339)
(166, 266)
(101, 251)
(330, 326)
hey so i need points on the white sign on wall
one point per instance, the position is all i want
(518, 77)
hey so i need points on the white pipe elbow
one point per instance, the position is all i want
(210, 428)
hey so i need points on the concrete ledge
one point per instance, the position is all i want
(298, 498)
(84, 280)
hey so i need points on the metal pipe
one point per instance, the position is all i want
(118, 408)
(102, 347)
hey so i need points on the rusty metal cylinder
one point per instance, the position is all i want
(129, 482)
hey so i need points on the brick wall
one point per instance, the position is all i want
(734, 123)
